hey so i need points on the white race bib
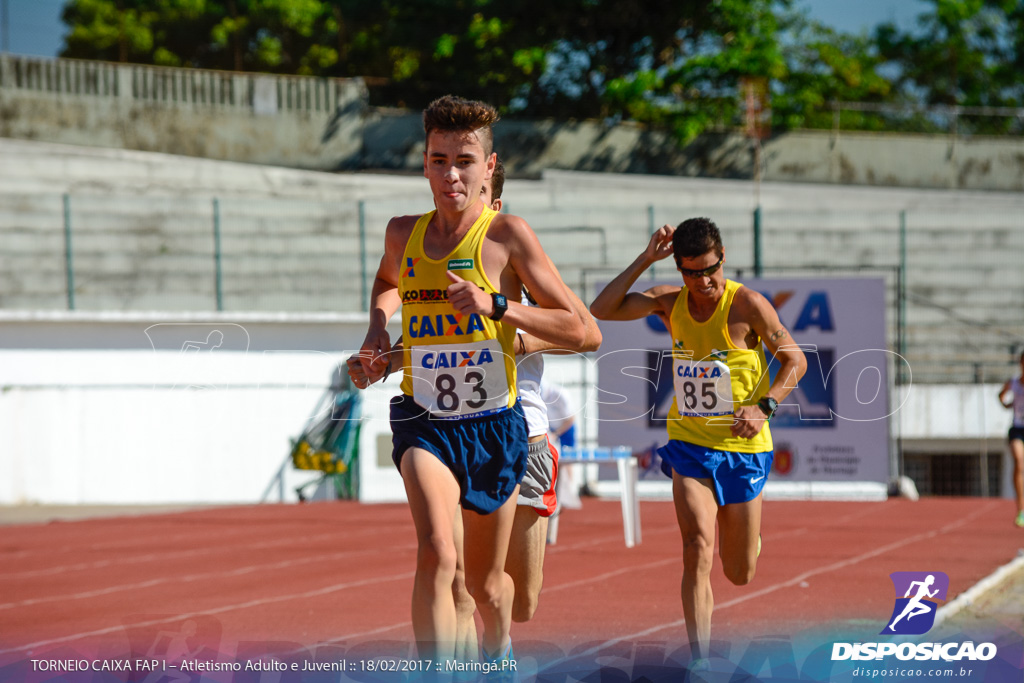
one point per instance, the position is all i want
(703, 388)
(460, 380)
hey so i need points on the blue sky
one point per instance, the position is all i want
(854, 16)
(35, 27)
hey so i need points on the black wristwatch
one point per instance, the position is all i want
(768, 406)
(500, 305)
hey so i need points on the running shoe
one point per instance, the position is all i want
(699, 671)
(1020, 519)
(505, 667)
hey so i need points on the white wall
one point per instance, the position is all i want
(965, 419)
(119, 408)
(958, 411)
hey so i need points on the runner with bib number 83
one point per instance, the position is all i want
(458, 429)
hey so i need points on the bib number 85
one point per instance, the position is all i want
(708, 395)
(703, 388)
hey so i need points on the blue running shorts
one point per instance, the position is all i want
(486, 454)
(735, 477)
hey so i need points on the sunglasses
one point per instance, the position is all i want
(706, 272)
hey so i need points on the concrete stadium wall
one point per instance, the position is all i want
(285, 121)
(326, 124)
(316, 141)
(897, 160)
(142, 227)
(135, 408)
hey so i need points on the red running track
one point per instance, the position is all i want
(316, 575)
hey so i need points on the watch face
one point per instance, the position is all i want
(500, 305)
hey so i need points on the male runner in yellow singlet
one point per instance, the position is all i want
(719, 451)
(459, 434)
(536, 502)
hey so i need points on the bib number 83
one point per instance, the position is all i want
(448, 398)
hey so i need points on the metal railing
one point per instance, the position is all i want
(951, 114)
(262, 93)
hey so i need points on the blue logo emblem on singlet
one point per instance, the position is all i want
(409, 264)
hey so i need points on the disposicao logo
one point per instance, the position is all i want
(914, 615)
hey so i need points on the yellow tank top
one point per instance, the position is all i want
(456, 366)
(712, 377)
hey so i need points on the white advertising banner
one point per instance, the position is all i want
(834, 427)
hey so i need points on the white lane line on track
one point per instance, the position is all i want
(49, 552)
(412, 574)
(550, 589)
(202, 532)
(216, 610)
(585, 544)
(363, 634)
(248, 569)
(614, 538)
(617, 538)
(795, 580)
(181, 554)
(611, 574)
(676, 560)
(348, 636)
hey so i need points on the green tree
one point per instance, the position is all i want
(278, 36)
(112, 30)
(654, 61)
(824, 66)
(676, 65)
(963, 53)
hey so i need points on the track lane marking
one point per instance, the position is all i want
(180, 554)
(794, 581)
(248, 569)
(216, 610)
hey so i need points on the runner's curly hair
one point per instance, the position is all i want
(454, 114)
(695, 237)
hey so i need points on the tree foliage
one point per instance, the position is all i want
(661, 62)
(823, 67)
(966, 53)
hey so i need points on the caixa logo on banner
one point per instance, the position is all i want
(913, 614)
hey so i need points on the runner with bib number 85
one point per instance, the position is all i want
(719, 451)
